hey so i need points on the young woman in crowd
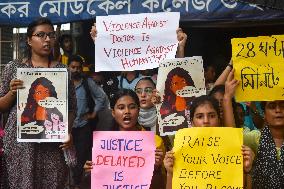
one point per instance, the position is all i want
(204, 112)
(148, 113)
(125, 110)
(267, 144)
(33, 165)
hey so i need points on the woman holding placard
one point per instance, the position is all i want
(204, 112)
(125, 110)
(33, 165)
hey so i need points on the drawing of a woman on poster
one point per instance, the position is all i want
(40, 116)
(179, 81)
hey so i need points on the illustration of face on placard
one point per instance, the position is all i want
(179, 82)
(42, 105)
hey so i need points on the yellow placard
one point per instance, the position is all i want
(208, 158)
(259, 66)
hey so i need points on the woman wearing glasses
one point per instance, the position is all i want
(33, 165)
(147, 114)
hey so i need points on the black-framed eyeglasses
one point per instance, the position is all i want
(147, 90)
(43, 35)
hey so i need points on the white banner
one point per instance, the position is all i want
(135, 41)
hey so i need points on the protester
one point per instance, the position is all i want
(107, 80)
(125, 110)
(218, 92)
(90, 100)
(241, 117)
(209, 75)
(253, 115)
(33, 165)
(204, 113)
(128, 79)
(65, 42)
(147, 113)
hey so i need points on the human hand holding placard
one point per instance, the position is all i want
(120, 156)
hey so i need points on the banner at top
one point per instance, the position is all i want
(22, 12)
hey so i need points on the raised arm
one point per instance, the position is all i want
(230, 87)
(93, 32)
(224, 75)
(181, 37)
(169, 164)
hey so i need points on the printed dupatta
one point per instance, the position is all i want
(268, 171)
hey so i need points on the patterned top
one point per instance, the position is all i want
(268, 168)
(32, 165)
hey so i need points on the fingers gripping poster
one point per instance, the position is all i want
(179, 82)
(42, 108)
(122, 159)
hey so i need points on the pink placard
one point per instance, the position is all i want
(123, 159)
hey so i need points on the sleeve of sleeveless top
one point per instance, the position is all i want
(251, 139)
(7, 75)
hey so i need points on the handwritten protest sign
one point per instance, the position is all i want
(135, 41)
(258, 63)
(123, 159)
(42, 108)
(208, 158)
(179, 82)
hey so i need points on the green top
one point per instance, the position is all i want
(252, 139)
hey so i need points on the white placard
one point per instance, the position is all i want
(179, 82)
(135, 41)
(42, 106)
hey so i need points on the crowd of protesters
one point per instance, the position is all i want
(126, 102)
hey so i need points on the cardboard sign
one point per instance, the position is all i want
(42, 106)
(258, 63)
(123, 159)
(208, 158)
(179, 82)
(135, 41)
